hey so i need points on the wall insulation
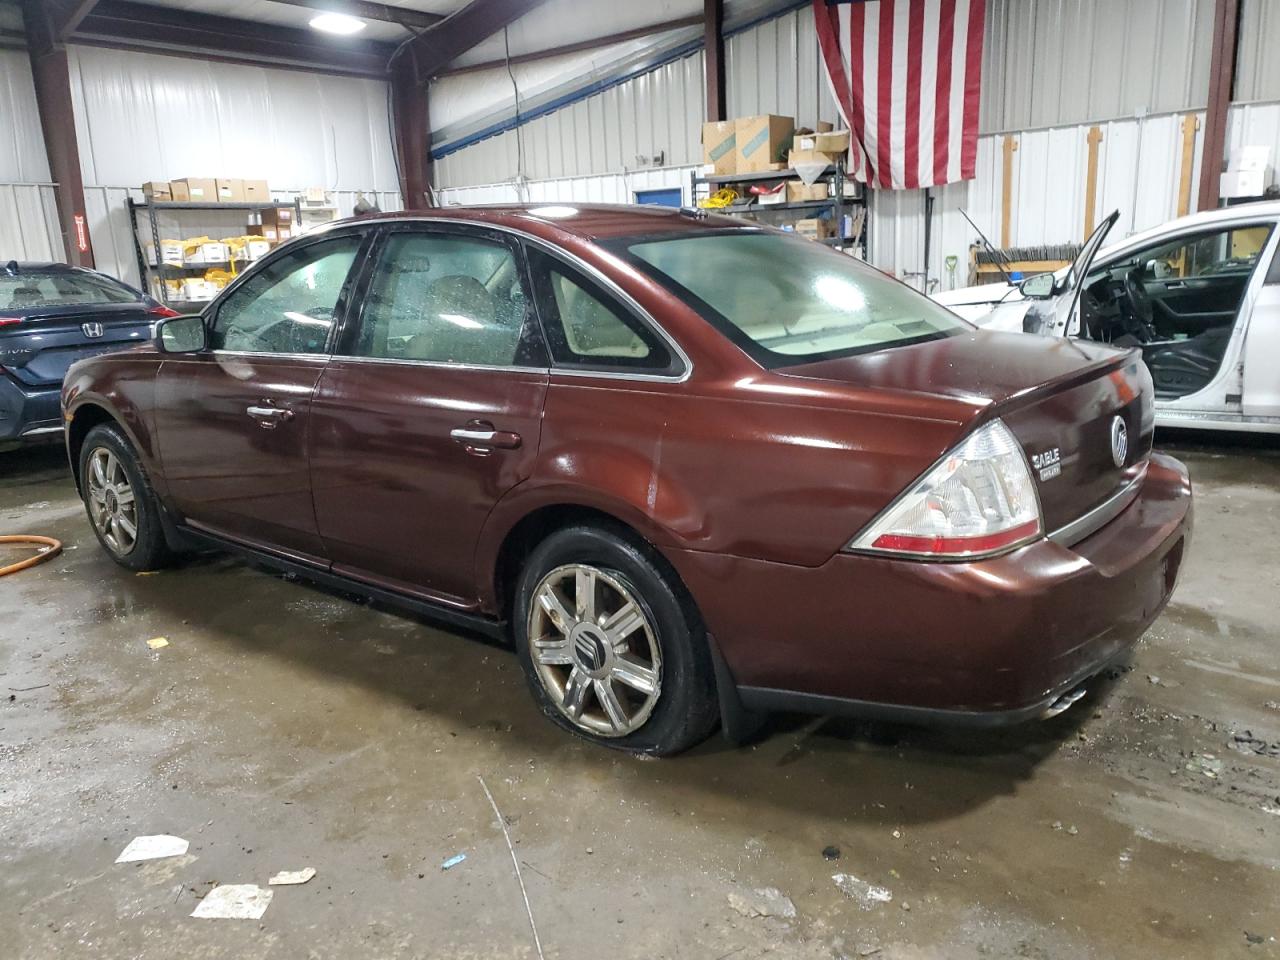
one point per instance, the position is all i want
(28, 211)
(146, 117)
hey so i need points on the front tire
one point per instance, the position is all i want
(118, 498)
(611, 644)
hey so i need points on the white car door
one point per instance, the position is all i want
(1261, 387)
(1057, 314)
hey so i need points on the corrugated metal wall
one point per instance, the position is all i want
(774, 68)
(1046, 63)
(28, 212)
(1054, 62)
(657, 112)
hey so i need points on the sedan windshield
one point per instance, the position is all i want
(787, 300)
(34, 289)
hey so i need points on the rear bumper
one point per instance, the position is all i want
(982, 643)
(28, 413)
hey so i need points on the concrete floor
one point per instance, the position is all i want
(285, 726)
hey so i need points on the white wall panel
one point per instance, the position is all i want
(144, 117)
(29, 223)
(774, 67)
(607, 188)
(22, 154)
(1054, 62)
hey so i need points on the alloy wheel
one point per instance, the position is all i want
(594, 650)
(113, 505)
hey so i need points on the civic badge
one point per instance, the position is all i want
(1119, 441)
(91, 329)
(1048, 464)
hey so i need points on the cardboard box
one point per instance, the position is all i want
(178, 191)
(170, 252)
(212, 252)
(1244, 183)
(800, 192)
(157, 190)
(772, 199)
(813, 228)
(198, 189)
(822, 126)
(264, 230)
(230, 191)
(197, 288)
(278, 216)
(836, 144)
(719, 147)
(255, 191)
(256, 249)
(761, 142)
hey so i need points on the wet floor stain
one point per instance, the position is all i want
(287, 725)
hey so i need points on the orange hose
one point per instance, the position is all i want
(55, 548)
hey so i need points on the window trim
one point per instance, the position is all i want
(410, 220)
(354, 318)
(364, 235)
(679, 367)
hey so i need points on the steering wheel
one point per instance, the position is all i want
(1140, 305)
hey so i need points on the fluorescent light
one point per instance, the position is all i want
(338, 23)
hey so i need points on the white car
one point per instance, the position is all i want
(1199, 295)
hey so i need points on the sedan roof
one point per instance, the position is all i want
(591, 220)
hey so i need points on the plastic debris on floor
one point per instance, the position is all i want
(287, 878)
(767, 902)
(866, 895)
(155, 643)
(233, 901)
(152, 848)
(453, 861)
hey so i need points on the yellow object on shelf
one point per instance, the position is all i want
(722, 198)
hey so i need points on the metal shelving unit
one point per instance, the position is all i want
(161, 270)
(838, 203)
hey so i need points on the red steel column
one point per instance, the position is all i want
(1222, 78)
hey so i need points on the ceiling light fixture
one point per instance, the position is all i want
(338, 23)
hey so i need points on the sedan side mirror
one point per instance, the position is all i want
(181, 334)
(1039, 287)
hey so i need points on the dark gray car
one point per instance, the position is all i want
(51, 315)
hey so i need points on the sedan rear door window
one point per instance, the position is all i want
(588, 328)
(445, 298)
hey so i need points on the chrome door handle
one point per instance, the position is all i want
(268, 417)
(483, 437)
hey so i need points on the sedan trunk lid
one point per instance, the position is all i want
(38, 348)
(1062, 399)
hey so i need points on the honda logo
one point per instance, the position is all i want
(91, 329)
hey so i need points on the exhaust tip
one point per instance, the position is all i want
(1063, 703)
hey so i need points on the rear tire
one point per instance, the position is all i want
(122, 507)
(611, 644)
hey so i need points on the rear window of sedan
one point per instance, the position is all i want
(787, 300)
(21, 291)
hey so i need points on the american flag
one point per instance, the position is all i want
(906, 75)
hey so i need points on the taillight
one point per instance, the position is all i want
(978, 500)
(5, 321)
(162, 311)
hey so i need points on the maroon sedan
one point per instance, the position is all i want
(696, 469)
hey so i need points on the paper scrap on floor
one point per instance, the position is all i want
(152, 848)
(155, 643)
(289, 877)
(233, 901)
